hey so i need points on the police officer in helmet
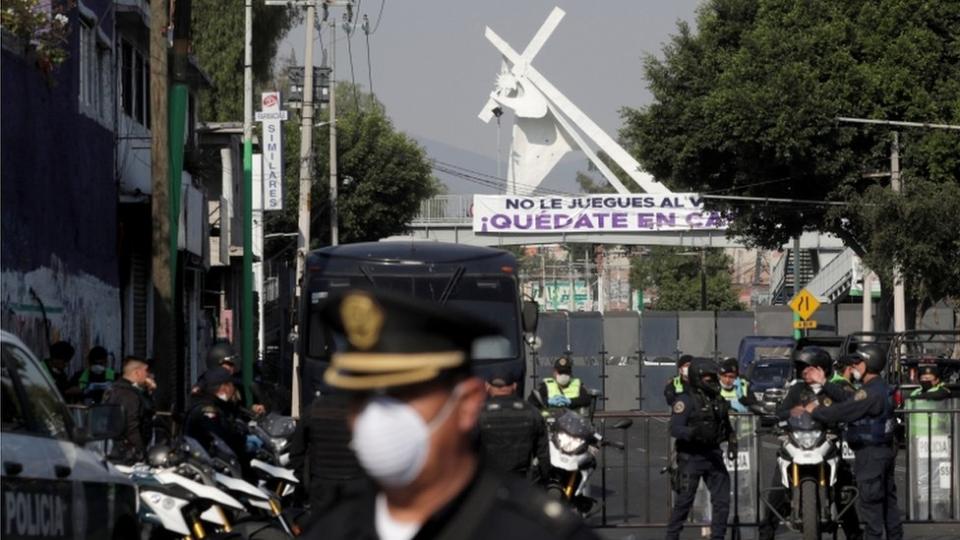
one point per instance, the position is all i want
(699, 423)
(733, 388)
(512, 433)
(222, 354)
(676, 385)
(413, 415)
(931, 386)
(211, 414)
(870, 434)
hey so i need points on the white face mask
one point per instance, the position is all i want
(857, 376)
(683, 371)
(97, 369)
(726, 386)
(816, 387)
(392, 441)
(563, 379)
(223, 397)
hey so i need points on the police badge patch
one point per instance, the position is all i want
(860, 395)
(827, 402)
(678, 407)
(210, 412)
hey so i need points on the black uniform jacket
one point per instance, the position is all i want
(512, 432)
(492, 506)
(209, 416)
(700, 423)
(869, 400)
(138, 410)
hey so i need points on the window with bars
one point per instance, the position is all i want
(95, 74)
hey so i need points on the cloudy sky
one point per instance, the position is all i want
(433, 69)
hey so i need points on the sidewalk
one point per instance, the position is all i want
(941, 531)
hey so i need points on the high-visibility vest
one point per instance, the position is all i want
(735, 394)
(678, 384)
(109, 375)
(572, 391)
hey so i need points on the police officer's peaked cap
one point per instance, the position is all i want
(563, 365)
(394, 340)
(729, 365)
(62, 350)
(928, 368)
(684, 359)
(214, 377)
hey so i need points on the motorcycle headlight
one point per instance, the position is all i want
(278, 444)
(568, 443)
(807, 439)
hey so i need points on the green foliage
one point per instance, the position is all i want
(748, 105)
(675, 275)
(383, 176)
(42, 26)
(218, 27)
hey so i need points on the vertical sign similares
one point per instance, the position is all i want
(271, 145)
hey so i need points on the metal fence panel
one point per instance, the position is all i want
(732, 326)
(588, 372)
(586, 334)
(621, 335)
(653, 379)
(930, 489)
(658, 331)
(552, 331)
(774, 321)
(623, 387)
(698, 333)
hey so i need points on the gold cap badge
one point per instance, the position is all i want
(362, 320)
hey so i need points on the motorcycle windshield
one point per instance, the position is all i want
(803, 422)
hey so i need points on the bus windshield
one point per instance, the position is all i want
(491, 298)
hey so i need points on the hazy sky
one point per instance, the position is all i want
(433, 69)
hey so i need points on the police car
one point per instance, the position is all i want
(53, 487)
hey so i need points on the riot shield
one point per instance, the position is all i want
(929, 458)
(743, 477)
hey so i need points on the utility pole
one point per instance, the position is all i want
(899, 302)
(703, 279)
(164, 335)
(797, 333)
(246, 319)
(334, 230)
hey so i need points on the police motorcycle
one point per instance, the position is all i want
(187, 489)
(808, 462)
(574, 444)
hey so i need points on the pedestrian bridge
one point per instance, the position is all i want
(449, 218)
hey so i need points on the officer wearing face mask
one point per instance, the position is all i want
(676, 385)
(732, 387)
(869, 432)
(94, 376)
(413, 417)
(931, 387)
(61, 353)
(699, 423)
(211, 413)
(563, 390)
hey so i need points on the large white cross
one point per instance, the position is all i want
(568, 116)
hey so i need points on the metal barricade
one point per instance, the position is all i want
(932, 455)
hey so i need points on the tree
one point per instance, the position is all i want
(675, 275)
(748, 104)
(218, 28)
(383, 175)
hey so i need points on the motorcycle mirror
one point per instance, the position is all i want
(622, 424)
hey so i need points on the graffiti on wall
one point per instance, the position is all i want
(51, 303)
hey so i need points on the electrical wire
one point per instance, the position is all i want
(379, 16)
(353, 78)
(366, 31)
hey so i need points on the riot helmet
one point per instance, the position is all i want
(161, 455)
(220, 354)
(704, 376)
(873, 356)
(812, 357)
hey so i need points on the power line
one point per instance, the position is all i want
(350, 31)
(366, 32)
(379, 16)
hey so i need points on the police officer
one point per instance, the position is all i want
(931, 387)
(732, 387)
(699, 423)
(61, 353)
(563, 390)
(222, 354)
(512, 432)
(677, 385)
(414, 412)
(211, 413)
(321, 446)
(95, 373)
(843, 384)
(870, 434)
(131, 393)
